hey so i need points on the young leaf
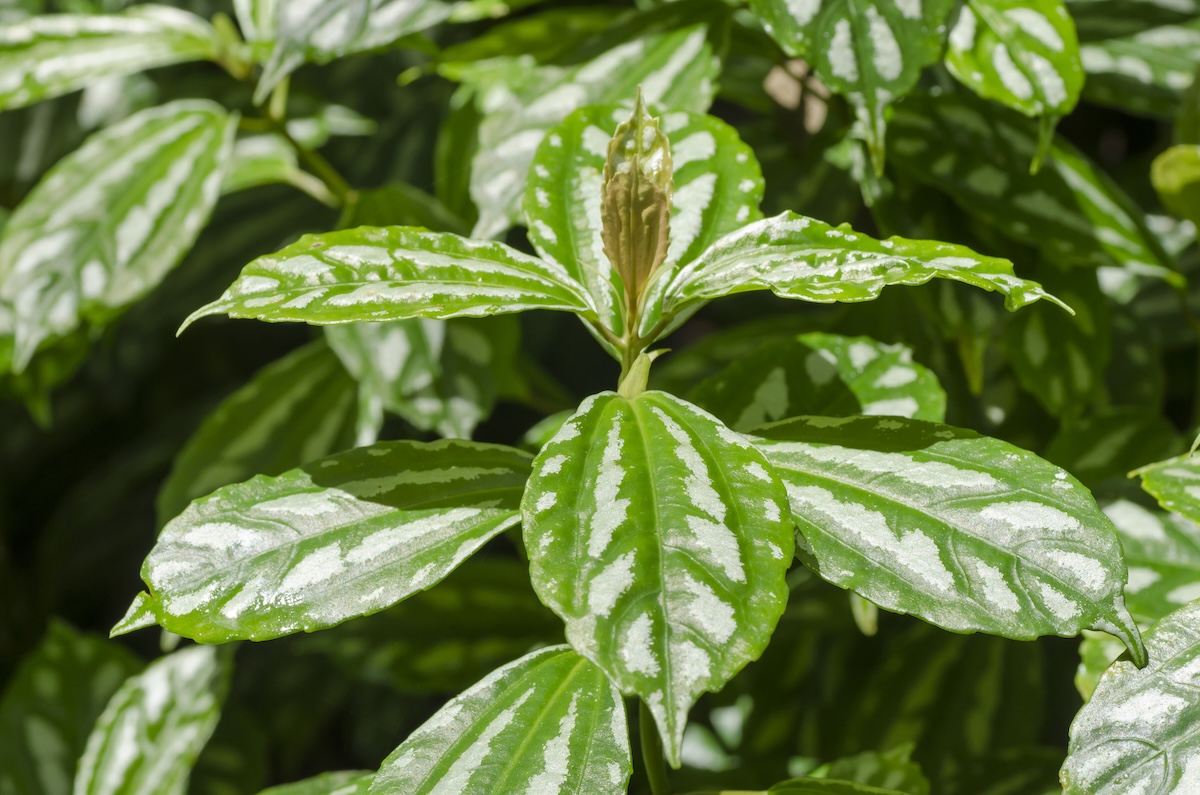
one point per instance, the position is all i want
(345, 782)
(293, 411)
(1175, 483)
(800, 258)
(672, 52)
(1069, 209)
(392, 273)
(345, 536)
(1023, 54)
(1146, 72)
(965, 532)
(1163, 554)
(109, 221)
(717, 188)
(152, 730)
(49, 707)
(549, 723)
(662, 540)
(437, 375)
(320, 32)
(872, 52)
(1138, 733)
(45, 56)
(821, 374)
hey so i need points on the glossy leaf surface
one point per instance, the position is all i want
(821, 374)
(670, 54)
(1023, 54)
(1175, 484)
(717, 188)
(49, 707)
(345, 536)
(392, 273)
(1070, 209)
(154, 727)
(346, 782)
(323, 30)
(800, 258)
(48, 55)
(662, 540)
(108, 222)
(293, 411)
(966, 532)
(871, 52)
(1139, 731)
(1163, 553)
(549, 723)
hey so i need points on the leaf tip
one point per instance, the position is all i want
(141, 614)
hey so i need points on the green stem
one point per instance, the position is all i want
(652, 755)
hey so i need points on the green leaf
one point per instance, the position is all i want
(295, 410)
(824, 786)
(662, 540)
(890, 770)
(804, 259)
(1175, 483)
(345, 536)
(1107, 19)
(152, 730)
(49, 707)
(392, 273)
(437, 375)
(400, 204)
(965, 532)
(1059, 358)
(672, 53)
(108, 222)
(717, 188)
(1097, 651)
(1102, 448)
(46, 56)
(346, 782)
(331, 29)
(1163, 554)
(1139, 731)
(548, 723)
(260, 160)
(444, 639)
(1070, 210)
(1176, 177)
(1146, 72)
(872, 52)
(257, 19)
(1020, 53)
(822, 374)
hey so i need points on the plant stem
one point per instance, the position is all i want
(652, 756)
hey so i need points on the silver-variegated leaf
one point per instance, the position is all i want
(969, 533)
(1146, 72)
(821, 374)
(344, 536)
(550, 723)
(48, 55)
(342, 782)
(148, 737)
(1140, 732)
(871, 51)
(295, 410)
(717, 188)
(661, 538)
(677, 68)
(320, 31)
(1175, 483)
(50, 704)
(1070, 210)
(392, 273)
(801, 258)
(107, 223)
(1023, 54)
(1162, 551)
(257, 19)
